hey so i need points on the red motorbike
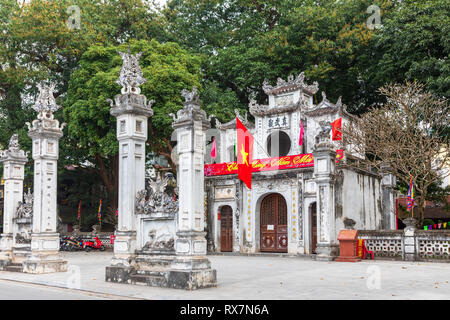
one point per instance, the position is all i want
(96, 244)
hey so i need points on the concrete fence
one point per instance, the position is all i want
(419, 245)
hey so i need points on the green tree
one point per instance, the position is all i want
(245, 41)
(414, 45)
(37, 44)
(91, 128)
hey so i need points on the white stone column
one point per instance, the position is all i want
(191, 269)
(132, 112)
(13, 161)
(45, 133)
(324, 173)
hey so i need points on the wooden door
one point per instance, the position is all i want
(273, 226)
(226, 229)
(313, 209)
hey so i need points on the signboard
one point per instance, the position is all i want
(268, 164)
(258, 165)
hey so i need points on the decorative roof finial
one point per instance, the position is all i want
(45, 103)
(131, 77)
(13, 150)
(14, 143)
(190, 97)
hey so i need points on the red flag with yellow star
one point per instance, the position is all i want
(244, 153)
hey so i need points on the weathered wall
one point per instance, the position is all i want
(361, 198)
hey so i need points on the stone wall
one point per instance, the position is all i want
(361, 200)
(433, 246)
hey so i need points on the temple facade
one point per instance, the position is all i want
(302, 194)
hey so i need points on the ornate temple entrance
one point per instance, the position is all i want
(226, 229)
(273, 224)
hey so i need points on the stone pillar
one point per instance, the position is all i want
(191, 269)
(324, 174)
(132, 112)
(409, 241)
(388, 184)
(45, 134)
(13, 161)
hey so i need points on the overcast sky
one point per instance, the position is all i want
(162, 2)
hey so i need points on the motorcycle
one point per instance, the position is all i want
(74, 244)
(96, 244)
(63, 243)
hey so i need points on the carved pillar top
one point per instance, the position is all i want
(14, 153)
(323, 141)
(191, 114)
(324, 155)
(45, 125)
(131, 78)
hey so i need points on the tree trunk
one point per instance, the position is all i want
(110, 178)
(421, 209)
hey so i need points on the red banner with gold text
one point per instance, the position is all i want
(287, 162)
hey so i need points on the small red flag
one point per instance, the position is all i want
(336, 130)
(244, 153)
(213, 149)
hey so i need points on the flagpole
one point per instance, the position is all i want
(79, 216)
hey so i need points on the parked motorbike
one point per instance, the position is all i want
(74, 244)
(63, 243)
(96, 245)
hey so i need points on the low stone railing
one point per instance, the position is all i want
(105, 237)
(433, 245)
(384, 244)
(421, 245)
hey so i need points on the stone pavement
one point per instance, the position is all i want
(267, 277)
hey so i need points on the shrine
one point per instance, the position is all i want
(303, 190)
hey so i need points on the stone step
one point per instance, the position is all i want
(14, 267)
(148, 280)
(153, 273)
(153, 263)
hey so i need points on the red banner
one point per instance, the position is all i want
(288, 162)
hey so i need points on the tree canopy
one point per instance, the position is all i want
(225, 47)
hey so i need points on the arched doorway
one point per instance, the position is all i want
(226, 229)
(273, 224)
(313, 224)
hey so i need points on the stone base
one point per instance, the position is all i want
(20, 254)
(176, 279)
(4, 264)
(327, 252)
(192, 279)
(348, 259)
(119, 274)
(410, 257)
(45, 266)
(186, 263)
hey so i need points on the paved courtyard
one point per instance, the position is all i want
(261, 278)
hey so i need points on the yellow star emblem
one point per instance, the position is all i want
(244, 155)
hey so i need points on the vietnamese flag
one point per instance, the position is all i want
(336, 129)
(244, 148)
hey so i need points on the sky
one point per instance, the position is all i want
(161, 2)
